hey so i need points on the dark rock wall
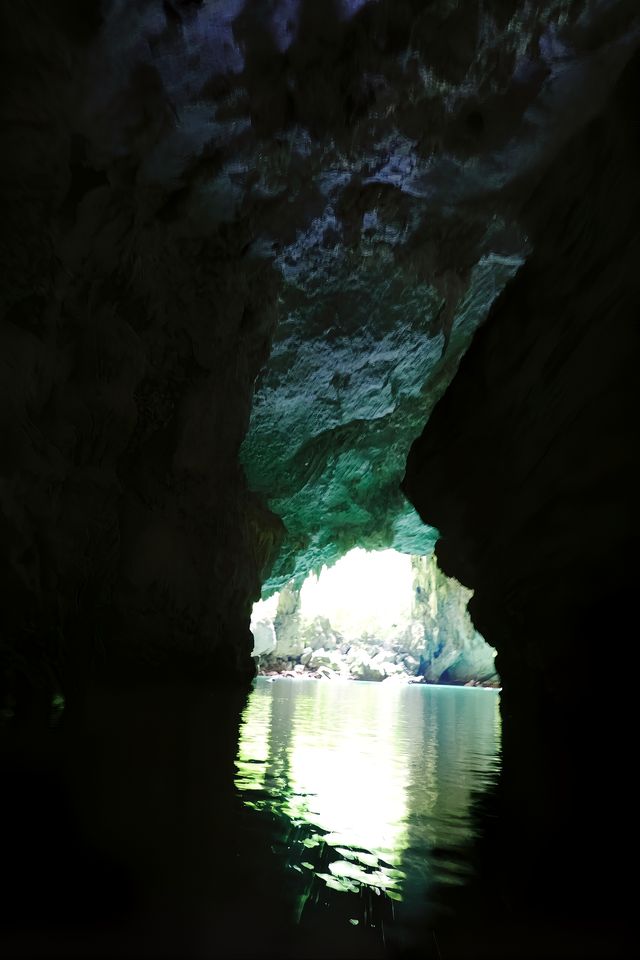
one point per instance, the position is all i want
(529, 467)
(130, 340)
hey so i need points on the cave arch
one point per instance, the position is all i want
(205, 235)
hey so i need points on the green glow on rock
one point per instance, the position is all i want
(356, 367)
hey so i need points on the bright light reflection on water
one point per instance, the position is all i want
(375, 780)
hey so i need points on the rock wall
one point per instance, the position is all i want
(529, 467)
(453, 651)
(416, 129)
(131, 336)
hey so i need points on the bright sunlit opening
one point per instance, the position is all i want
(362, 592)
(373, 616)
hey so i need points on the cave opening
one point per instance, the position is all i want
(374, 615)
(373, 783)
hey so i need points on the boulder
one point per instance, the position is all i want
(264, 638)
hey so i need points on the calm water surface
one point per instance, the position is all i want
(371, 785)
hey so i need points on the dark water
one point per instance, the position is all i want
(342, 830)
(371, 788)
(345, 820)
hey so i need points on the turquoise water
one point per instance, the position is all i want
(371, 786)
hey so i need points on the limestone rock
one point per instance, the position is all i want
(451, 650)
(264, 638)
(411, 236)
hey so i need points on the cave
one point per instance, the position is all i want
(281, 280)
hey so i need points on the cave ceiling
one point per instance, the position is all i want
(366, 161)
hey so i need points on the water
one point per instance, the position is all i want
(370, 786)
(350, 831)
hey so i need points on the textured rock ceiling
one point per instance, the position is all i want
(414, 132)
(198, 178)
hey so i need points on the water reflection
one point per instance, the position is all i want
(375, 781)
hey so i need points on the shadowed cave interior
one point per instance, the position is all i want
(281, 281)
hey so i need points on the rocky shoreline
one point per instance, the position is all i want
(431, 639)
(327, 656)
(300, 672)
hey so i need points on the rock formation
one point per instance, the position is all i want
(453, 651)
(248, 250)
(179, 177)
(412, 231)
(133, 328)
(529, 467)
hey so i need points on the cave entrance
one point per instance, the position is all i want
(374, 615)
(366, 780)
